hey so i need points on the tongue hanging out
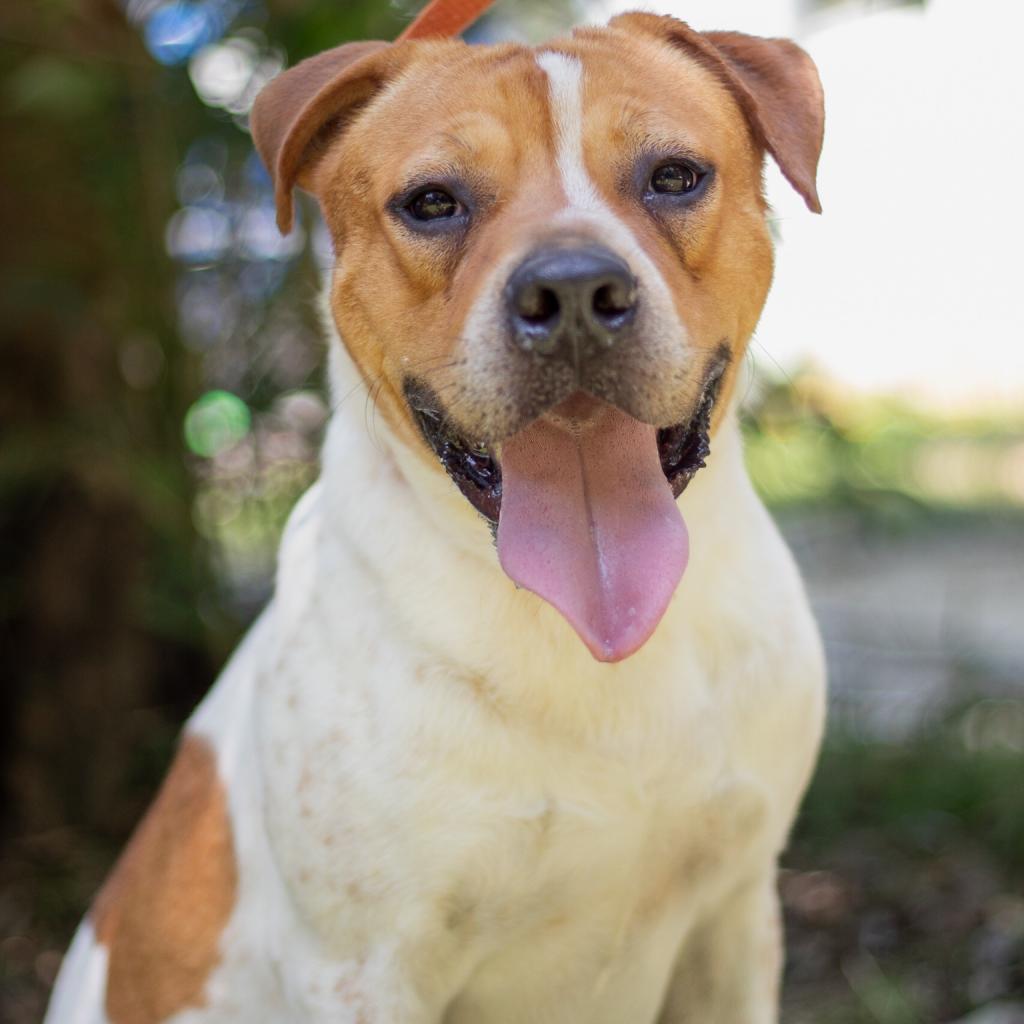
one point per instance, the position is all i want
(588, 523)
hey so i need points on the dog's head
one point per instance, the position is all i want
(549, 263)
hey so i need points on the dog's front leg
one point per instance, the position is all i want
(729, 966)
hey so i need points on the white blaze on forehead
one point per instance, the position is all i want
(665, 337)
(585, 205)
(584, 202)
(565, 78)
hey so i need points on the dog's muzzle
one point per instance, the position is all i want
(571, 303)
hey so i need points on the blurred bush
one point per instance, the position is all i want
(904, 883)
(811, 443)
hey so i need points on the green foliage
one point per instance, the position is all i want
(923, 795)
(905, 873)
(309, 28)
(808, 445)
(55, 87)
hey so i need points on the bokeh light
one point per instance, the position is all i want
(215, 422)
(199, 235)
(230, 73)
(177, 30)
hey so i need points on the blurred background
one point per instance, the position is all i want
(161, 402)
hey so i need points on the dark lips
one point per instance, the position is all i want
(682, 448)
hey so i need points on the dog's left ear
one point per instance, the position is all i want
(303, 108)
(775, 83)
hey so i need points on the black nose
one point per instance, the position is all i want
(571, 303)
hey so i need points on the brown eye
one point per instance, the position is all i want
(432, 204)
(675, 179)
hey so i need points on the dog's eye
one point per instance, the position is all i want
(432, 204)
(675, 179)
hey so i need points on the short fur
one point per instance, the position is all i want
(413, 795)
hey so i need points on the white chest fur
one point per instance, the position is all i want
(465, 810)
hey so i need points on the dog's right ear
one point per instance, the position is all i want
(774, 81)
(299, 110)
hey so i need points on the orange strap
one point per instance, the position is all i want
(445, 18)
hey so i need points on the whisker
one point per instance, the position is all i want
(752, 366)
(369, 419)
(777, 364)
(335, 406)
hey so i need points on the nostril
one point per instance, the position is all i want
(612, 301)
(606, 302)
(570, 301)
(538, 306)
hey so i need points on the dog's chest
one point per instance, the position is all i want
(526, 846)
(487, 855)
(592, 921)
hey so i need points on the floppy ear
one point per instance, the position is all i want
(297, 110)
(775, 83)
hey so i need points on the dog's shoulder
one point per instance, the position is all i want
(161, 913)
(155, 935)
(152, 937)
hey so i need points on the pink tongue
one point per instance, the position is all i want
(588, 523)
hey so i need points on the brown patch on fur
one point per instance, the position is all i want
(775, 83)
(716, 259)
(162, 910)
(361, 129)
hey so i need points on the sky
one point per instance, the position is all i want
(912, 282)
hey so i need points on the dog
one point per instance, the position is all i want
(523, 731)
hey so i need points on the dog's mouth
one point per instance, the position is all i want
(582, 502)
(475, 467)
(472, 465)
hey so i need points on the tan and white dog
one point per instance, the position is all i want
(523, 731)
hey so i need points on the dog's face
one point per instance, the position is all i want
(549, 263)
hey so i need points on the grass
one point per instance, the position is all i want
(808, 445)
(904, 883)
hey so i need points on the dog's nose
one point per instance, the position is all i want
(571, 303)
